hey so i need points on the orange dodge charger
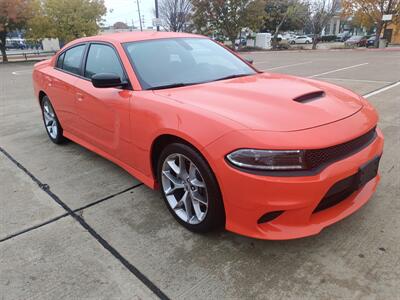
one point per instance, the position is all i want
(266, 155)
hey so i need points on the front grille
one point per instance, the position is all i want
(342, 189)
(319, 157)
(337, 193)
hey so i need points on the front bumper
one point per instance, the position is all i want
(247, 197)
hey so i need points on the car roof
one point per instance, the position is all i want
(133, 36)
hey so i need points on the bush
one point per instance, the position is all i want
(328, 38)
(250, 49)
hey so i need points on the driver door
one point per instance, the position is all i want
(103, 113)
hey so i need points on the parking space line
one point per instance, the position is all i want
(284, 66)
(385, 88)
(108, 197)
(67, 214)
(142, 277)
(27, 71)
(13, 235)
(355, 80)
(337, 70)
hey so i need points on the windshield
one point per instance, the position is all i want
(182, 61)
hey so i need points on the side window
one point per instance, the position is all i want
(60, 61)
(73, 58)
(103, 59)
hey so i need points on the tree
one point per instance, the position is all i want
(370, 12)
(13, 15)
(66, 19)
(284, 15)
(322, 11)
(175, 14)
(228, 17)
(120, 25)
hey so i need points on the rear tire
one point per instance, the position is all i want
(51, 123)
(189, 188)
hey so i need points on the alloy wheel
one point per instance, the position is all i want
(184, 188)
(50, 119)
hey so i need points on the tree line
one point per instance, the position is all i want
(70, 19)
(228, 17)
(62, 19)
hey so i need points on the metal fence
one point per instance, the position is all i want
(28, 55)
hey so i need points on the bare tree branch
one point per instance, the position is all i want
(322, 11)
(175, 14)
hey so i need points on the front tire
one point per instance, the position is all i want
(189, 188)
(51, 123)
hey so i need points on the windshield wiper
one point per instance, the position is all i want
(232, 76)
(168, 86)
(180, 84)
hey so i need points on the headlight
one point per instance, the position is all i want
(268, 159)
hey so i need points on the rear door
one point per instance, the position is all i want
(61, 85)
(103, 113)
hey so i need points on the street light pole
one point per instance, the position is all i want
(156, 6)
(140, 18)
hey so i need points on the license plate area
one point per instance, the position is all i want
(367, 172)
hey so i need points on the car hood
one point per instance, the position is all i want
(271, 102)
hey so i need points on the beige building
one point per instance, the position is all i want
(392, 33)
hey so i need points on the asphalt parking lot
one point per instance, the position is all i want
(74, 225)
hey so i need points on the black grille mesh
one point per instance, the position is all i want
(319, 157)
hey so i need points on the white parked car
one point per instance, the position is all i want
(301, 39)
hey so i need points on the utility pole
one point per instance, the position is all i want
(156, 6)
(140, 19)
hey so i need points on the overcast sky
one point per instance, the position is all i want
(126, 11)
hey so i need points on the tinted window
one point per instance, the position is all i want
(103, 59)
(183, 60)
(60, 61)
(73, 58)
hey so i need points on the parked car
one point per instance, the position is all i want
(356, 41)
(266, 155)
(371, 41)
(241, 42)
(342, 37)
(302, 39)
(288, 36)
(15, 44)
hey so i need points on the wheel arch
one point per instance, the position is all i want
(164, 139)
(160, 142)
(41, 95)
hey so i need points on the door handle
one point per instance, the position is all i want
(79, 97)
(49, 81)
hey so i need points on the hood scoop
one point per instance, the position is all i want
(310, 97)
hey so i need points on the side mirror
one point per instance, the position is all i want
(106, 80)
(249, 60)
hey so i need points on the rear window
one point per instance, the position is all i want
(73, 59)
(60, 61)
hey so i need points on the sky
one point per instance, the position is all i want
(126, 11)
